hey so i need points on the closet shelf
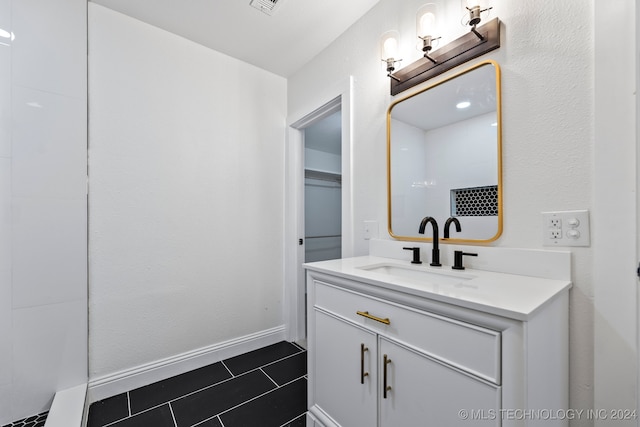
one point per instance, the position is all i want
(322, 175)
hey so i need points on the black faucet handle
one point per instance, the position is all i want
(457, 259)
(416, 254)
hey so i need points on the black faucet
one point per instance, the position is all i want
(448, 224)
(457, 259)
(435, 252)
(416, 254)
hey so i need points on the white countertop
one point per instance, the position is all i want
(508, 295)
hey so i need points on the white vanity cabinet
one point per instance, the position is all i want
(382, 357)
(346, 371)
(422, 388)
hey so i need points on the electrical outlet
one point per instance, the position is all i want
(565, 228)
(555, 222)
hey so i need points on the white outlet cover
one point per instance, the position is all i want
(370, 230)
(574, 227)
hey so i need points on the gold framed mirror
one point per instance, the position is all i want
(444, 157)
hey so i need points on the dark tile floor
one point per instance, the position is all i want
(265, 387)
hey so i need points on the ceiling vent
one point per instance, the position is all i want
(267, 6)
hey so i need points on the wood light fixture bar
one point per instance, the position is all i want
(471, 45)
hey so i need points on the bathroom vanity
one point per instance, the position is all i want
(391, 344)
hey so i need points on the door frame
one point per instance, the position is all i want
(340, 97)
(615, 221)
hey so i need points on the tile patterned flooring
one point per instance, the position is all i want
(266, 387)
(35, 421)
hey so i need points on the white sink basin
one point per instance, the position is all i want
(420, 273)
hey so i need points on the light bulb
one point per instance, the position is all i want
(427, 24)
(482, 4)
(427, 21)
(388, 45)
(389, 48)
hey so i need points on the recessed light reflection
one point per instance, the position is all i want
(34, 104)
(424, 184)
(463, 104)
(7, 35)
(494, 124)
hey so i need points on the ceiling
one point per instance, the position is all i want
(325, 135)
(436, 107)
(281, 43)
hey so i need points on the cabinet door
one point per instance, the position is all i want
(424, 392)
(345, 371)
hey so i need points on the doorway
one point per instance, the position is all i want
(323, 189)
(336, 102)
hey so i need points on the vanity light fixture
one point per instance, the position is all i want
(457, 52)
(477, 42)
(426, 28)
(389, 51)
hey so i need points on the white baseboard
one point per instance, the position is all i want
(129, 379)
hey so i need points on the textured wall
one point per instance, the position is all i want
(547, 76)
(186, 203)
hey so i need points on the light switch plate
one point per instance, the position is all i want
(370, 230)
(566, 228)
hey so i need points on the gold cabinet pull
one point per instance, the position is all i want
(362, 372)
(366, 314)
(385, 387)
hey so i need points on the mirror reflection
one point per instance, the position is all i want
(444, 157)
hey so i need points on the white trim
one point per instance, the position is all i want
(68, 407)
(614, 226)
(348, 245)
(129, 379)
(341, 95)
(293, 297)
(637, 182)
(318, 114)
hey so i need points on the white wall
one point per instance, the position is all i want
(547, 64)
(321, 161)
(186, 195)
(43, 204)
(408, 160)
